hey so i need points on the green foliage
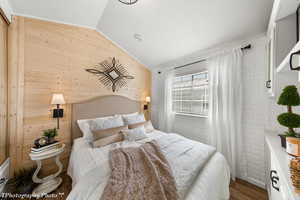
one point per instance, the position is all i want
(291, 134)
(289, 120)
(21, 183)
(289, 96)
(50, 133)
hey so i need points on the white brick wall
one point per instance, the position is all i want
(284, 79)
(254, 110)
(259, 111)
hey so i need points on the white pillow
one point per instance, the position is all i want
(106, 122)
(134, 119)
(88, 125)
(125, 116)
(84, 126)
(130, 114)
(149, 127)
(135, 134)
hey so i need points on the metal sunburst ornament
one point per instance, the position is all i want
(111, 74)
(128, 2)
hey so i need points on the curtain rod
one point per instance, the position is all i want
(198, 61)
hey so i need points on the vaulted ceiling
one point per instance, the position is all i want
(77, 12)
(157, 31)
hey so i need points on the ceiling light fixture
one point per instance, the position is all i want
(128, 2)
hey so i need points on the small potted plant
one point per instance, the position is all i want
(50, 135)
(289, 97)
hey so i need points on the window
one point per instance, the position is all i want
(190, 94)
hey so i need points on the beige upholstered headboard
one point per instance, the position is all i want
(101, 107)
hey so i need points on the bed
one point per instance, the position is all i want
(200, 172)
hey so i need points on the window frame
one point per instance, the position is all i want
(186, 113)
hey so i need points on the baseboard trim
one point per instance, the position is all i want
(4, 172)
(256, 182)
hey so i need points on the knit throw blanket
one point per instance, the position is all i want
(140, 173)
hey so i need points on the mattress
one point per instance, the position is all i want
(89, 165)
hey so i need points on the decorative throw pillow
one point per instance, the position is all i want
(88, 125)
(135, 134)
(147, 125)
(108, 136)
(99, 134)
(108, 140)
(134, 119)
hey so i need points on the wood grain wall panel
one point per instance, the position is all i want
(55, 59)
(3, 90)
(16, 90)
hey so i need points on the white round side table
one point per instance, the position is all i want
(50, 183)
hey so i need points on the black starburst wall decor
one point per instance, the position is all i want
(111, 74)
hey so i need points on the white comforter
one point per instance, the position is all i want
(196, 168)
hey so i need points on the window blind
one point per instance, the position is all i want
(190, 94)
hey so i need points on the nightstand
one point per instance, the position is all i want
(51, 182)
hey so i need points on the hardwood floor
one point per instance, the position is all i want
(242, 190)
(239, 190)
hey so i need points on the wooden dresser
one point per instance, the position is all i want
(278, 180)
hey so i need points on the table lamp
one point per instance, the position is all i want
(148, 100)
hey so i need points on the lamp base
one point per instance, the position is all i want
(58, 113)
(145, 107)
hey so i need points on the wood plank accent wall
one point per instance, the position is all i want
(49, 58)
(15, 91)
(3, 90)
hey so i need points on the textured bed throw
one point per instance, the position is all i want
(140, 173)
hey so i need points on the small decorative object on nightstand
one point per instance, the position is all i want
(51, 182)
(50, 134)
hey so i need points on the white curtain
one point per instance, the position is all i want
(166, 115)
(225, 109)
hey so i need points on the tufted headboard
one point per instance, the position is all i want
(101, 107)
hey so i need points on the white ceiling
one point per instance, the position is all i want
(169, 28)
(78, 12)
(174, 28)
(286, 8)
